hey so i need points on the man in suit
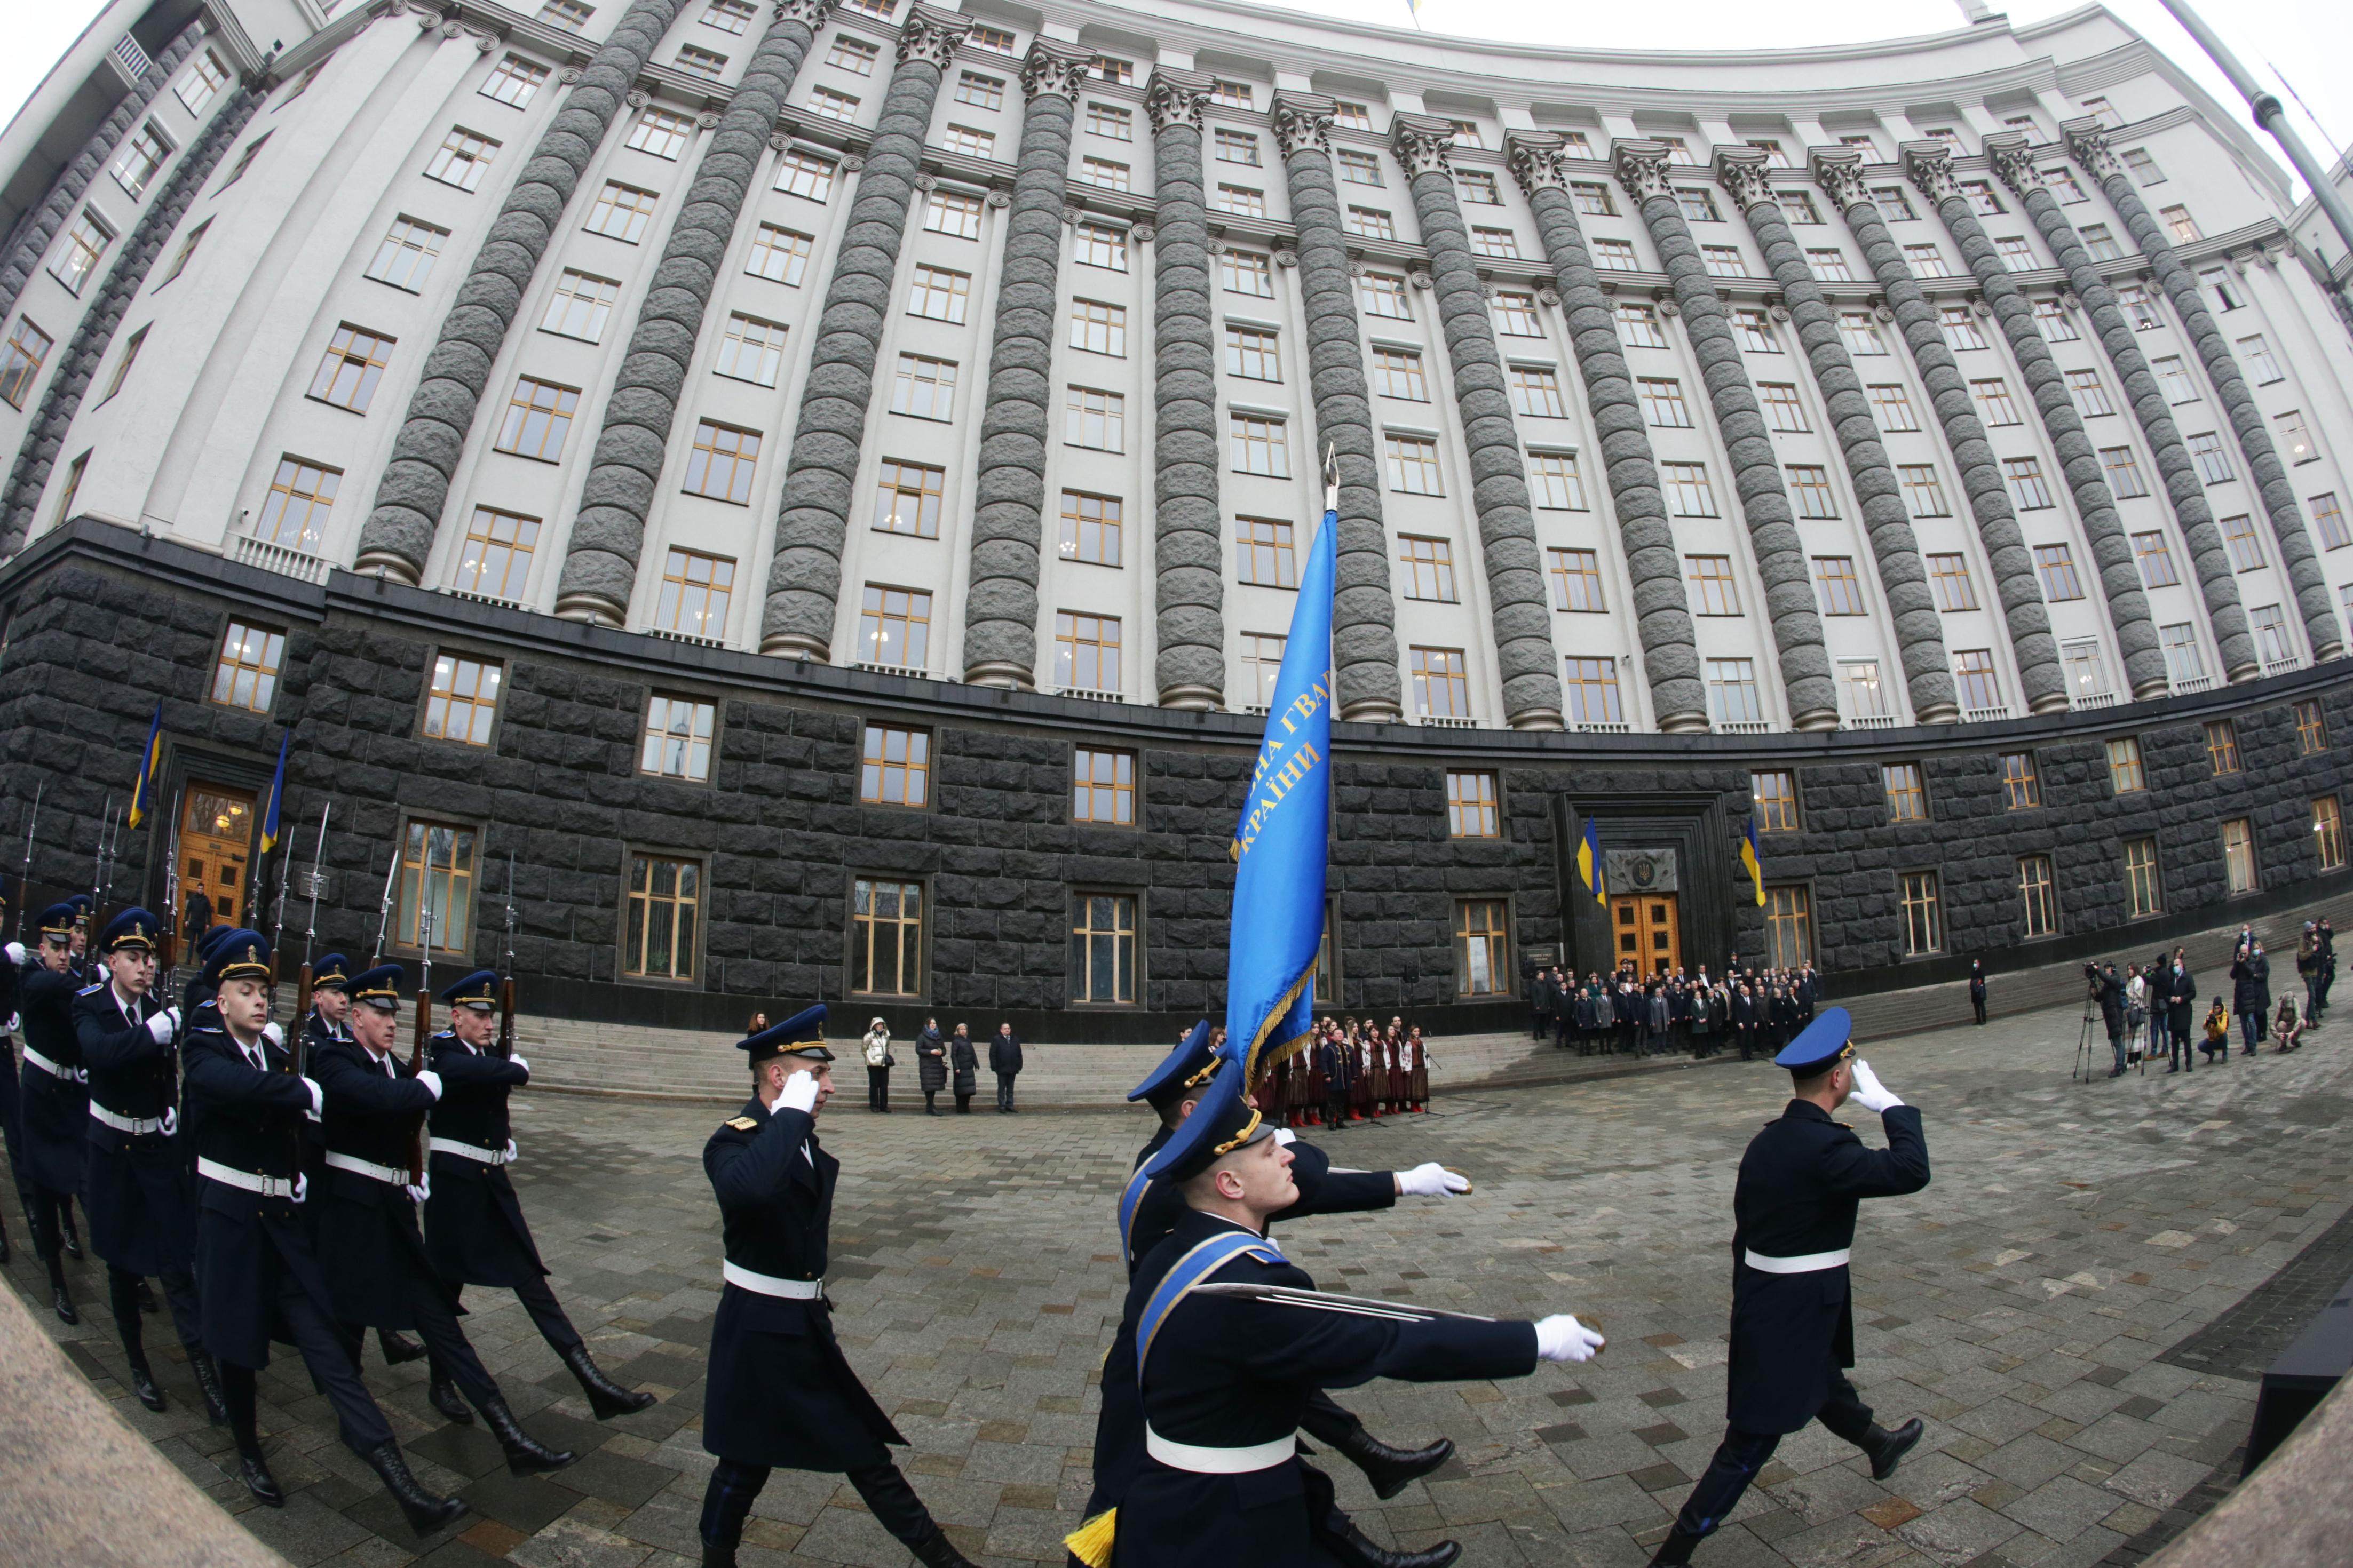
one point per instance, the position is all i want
(778, 1390)
(2178, 989)
(1793, 1206)
(1005, 1061)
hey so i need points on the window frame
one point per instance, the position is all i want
(850, 942)
(498, 667)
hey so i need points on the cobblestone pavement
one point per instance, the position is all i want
(2074, 1234)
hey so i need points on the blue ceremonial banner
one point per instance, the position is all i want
(276, 798)
(1281, 844)
(142, 793)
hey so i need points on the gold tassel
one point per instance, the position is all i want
(1090, 1542)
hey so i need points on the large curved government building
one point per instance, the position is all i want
(735, 501)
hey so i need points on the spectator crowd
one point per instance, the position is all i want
(1751, 1010)
(2149, 1010)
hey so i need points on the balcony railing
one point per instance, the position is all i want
(1447, 722)
(2282, 666)
(669, 636)
(468, 594)
(1090, 694)
(245, 549)
(1984, 715)
(131, 56)
(913, 671)
(2188, 683)
(1745, 727)
(2083, 699)
(1872, 722)
(1602, 727)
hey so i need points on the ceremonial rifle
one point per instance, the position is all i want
(1354, 1305)
(416, 1048)
(383, 909)
(506, 967)
(25, 870)
(304, 978)
(98, 871)
(176, 908)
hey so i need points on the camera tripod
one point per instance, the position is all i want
(2092, 1019)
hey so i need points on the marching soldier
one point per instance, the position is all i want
(474, 1228)
(54, 1100)
(780, 1391)
(137, 1184)
(1793, 1210)
(372, 1253)
(12, 1120)
(258, 1274)
(331, 1004)
(1226, 1378)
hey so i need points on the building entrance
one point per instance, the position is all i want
(215, 847)
(1646, 933)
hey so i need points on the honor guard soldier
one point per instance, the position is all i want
(778, 1389)
(330, 1002)
(54, 1100)
(257, 1276)
(1792, 1314)
(474, 1228)
(1227, 1371)
(137, 1186)
(1151, 1206)
(81, 967)
(12, 1119)
(373, 1254)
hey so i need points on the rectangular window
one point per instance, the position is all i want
(462, 159)
(2311, 728)
(1616, 256)
(1576, 580)
(2174, 378)
(1829, 266)
(1723, 261)
(1256, 444)
(1890, 199)
(828, 103)
(857, 55)
(729, 16)
(2062, 180)
(1358, 168)
(1662, 402)
(907, 499)
(939, 294)
(1106, 174)
(1775, 796)
(1102, 787)
(1973, 673)
(514, 80)
(2020, 788)
(244, 161)
(2245, 546)
(1797, 205)
(2123, 470)
(538, 419)
(2294, 437)
(1982, 201)
(1892, 408)
(2206, 453)
(1591, 687)
(2126, 774)
(2327, 833)
(1924, 913)
(2328, 516)
(580, 306)
(695, 590)
(1370, 223)
(2239, 855)
(1094, 419)
(1638, 327)
(752, 350)
(1960, 328)
(245, 674)
(969, 141)
(1688, 492)
(1384, 294)
(2141, 311)
(1090, 527)
(1412, 464)
(85, 243)
(1536, 393)
(1810, 488)
(1231, 94)
(664, 902)
(2144, 167)
(1924, 493)
(21, 360)
(1476, 187)
(437, 887)
(1859, 684)
(1099, 245)
(1441, 688)
(121, 366)
(405, 257)
(1788, 926)
(2085, 676)
(1499, 243)
(801, 172)
(462, 701)
(2221, 746)
(1097, 328)
(1993, 400)
(1465, 133)
(1427, 568)
(721, 464)
(2269, 622)
(140, 158)
(982, 91)
(782, 255)
(71, 487)
(1086, 652)
(1471, 809)
(349, 370)
(294, 513)
(1593, 200)
(1108, 120)
(894, 627)
(1782, 409)
(2182, 663)
(571, 16)
(2017, 255)
(1754, 330)
(1927, 261)
(953, 213)
(886, 937)
(494, 561)
(1351, 116)
(1262, 554)
(1907, 798)
(1483, 965)
(2156, 559)
(2054, 564)
(2260, 365)
(1262, 663)
(1514, 314)
(661, 133)
(923, 388)
(621, 211)
(2026, 489)
(1396, 372)
(1253, 354)
(2144, 893)
(1711, 589)
(2038, 900)
(895, 766)
(2101, 243)
(1950, 574)
(1236, 147)
(1554, 483)
(205, 76)
(1246, 272)
(1840, 590)
(1861, 333)
(1102, 948)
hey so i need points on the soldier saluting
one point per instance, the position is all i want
(780, 1391)
(1792, 1309)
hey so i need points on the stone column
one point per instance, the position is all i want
(1499, 479)
(1919, 632)
(1661, 613)
(2087, 141)
(1838, 172)
(397, 537)
(1929, 166)
(2010, 157)
(1000, 633)
(813, 514)
(600, 565)
(1188, 535)
(1764, 497)
(1363, 616)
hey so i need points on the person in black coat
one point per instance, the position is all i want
(370, 1248)
(2108, 991)
(257, 1275)
(53, 1101)
(964, 1063)
(1005, 1061)
(2251, 991)
(2179, 989)
(1543, 997)
(1794, 1204)
(1978, 988)
(1744, 1021)
(930, 1065)
(779, 1391)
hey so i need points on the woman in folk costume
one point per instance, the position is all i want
(1420, 1090)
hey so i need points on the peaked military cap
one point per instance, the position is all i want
(802, 1035)
(331, 972)
(478, 991)
(212, 939)
(83, 904)
(1821, 1045)
(1222, 1120)
(58, 919)
(378, 987)
(1186, 1067)
(132, 927)
(239, 955)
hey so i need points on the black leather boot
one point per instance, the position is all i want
(143, 1383)
(442, 1395)
(398, 1348)
(526, 1454)
(718, 1556)
(1887, 1449)
(1354, 1549)
(1675, 1551)
(3, 1245)
(255, 1474)
(72, 1236)
(605, 1397)
(1390, 1469)
(63, 1301)
(425, 1513)
(938, 1552)
(208, 1384)
(146, 1297)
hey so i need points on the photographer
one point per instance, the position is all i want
(2108, 991)
(2251, 991)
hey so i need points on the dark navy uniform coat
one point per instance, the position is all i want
(138, 1191)
(1800, 1185)
(12, 1118)
(474, 1228)
(254, 1121)
(780, 1391)
(368, 1240)
(316, 1032)
(1227, 1374)
(55, 1110)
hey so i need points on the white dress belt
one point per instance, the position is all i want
(360, 1167)
(770, 1285)
(71, 1075)
(1807, 1263)
(268, 1186)
(137, 1126)
(466, 1151)
(1220, 1461)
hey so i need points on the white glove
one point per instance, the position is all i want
(16, 952)
(170, 1120)
(1285, 1136)
(510, 1151)
(318, 1100)
(800, 1092)
(1869, 1093)
(1431, 1181)
(431, 1080)
(276, 1035)
(163, 1025)
(421, 1191)
(1562, 1338)
(523, 1063)
(302, 1186)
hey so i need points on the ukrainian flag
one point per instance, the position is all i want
(1749, 859)
(1589, 860)
(276, 798)
(142, 793)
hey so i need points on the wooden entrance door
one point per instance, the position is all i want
(1645, 932)
(216, 851)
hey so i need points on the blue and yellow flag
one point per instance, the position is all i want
(1282, 843)
(1749, 859)
(142, 791)
(276, 798)
(1589, 860)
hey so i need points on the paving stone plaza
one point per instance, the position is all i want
(2059, 1307)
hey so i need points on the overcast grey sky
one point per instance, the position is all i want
(2312, 40)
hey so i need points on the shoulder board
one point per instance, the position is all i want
(87, 989)
(741, 1123)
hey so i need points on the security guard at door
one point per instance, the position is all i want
(1792, 1312)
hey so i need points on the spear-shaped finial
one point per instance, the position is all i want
(1331, 478)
